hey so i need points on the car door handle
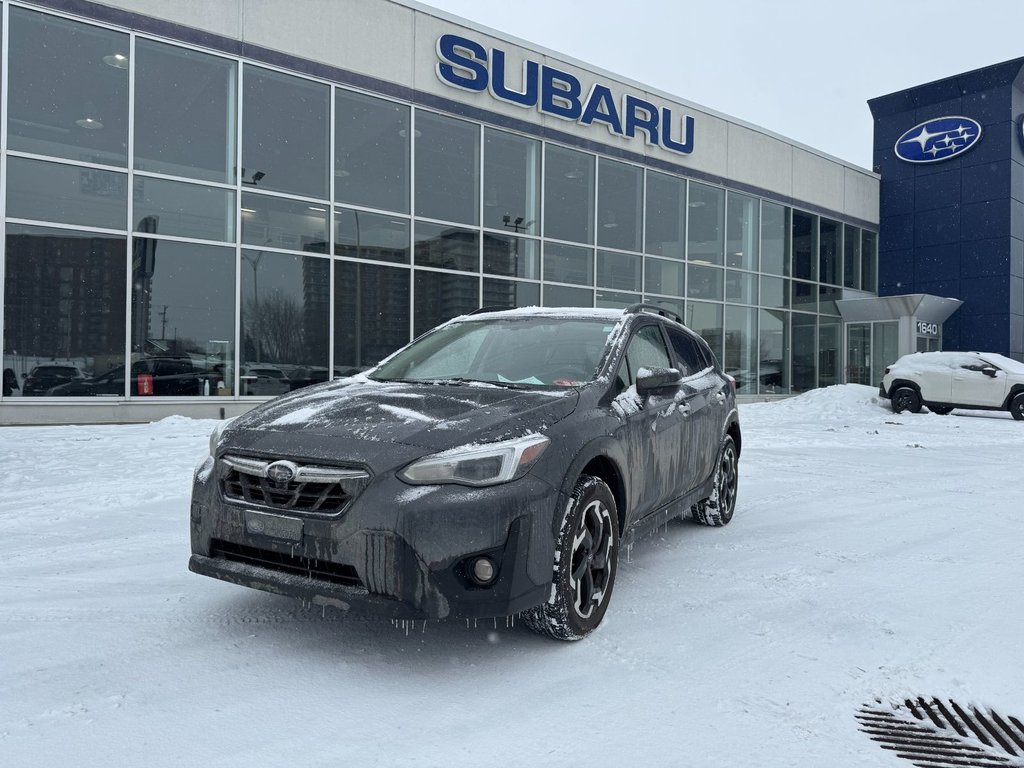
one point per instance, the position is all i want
(720, 397)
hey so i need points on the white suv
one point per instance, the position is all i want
(947, 380)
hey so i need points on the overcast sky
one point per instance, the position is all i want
(801, 68)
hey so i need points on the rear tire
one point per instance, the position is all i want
(942, 410)
(1017, 406)
(906, 399)
(716, 510)
(586, 558)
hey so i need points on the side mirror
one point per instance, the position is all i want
(989, 371)
(657, 381)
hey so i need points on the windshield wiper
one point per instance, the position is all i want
(465, 380)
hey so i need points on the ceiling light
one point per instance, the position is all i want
(248, 210)
(404, 133)
(316, 208)
(117, 60)
(92, 123)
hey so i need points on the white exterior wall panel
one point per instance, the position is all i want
(221, 17)
(862, 195)
(818, 180)
(366, 36)
(760, 160)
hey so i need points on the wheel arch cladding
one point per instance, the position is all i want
(897, 383)
(605, 469)
(734, 432)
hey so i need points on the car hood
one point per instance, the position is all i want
(430, 416)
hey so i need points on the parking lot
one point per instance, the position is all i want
(871, 555)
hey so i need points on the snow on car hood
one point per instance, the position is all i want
(429, 415)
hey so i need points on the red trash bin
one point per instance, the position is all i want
(145, 383)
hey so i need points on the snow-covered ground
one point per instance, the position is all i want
(871, 555)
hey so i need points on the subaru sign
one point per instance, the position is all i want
(938, 139)
(464, 63)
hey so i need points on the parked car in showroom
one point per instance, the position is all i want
(305, 376)
(942, 381)
(263, 379)
(161, 376)
(42, 378)
(489, 468)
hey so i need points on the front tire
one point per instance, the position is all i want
(942, 410)
(586, 558)
(906, 399)
(716, 510)
(1017, 406)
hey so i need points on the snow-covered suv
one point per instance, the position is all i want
(947, 380)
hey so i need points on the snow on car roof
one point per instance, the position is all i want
(931, 360)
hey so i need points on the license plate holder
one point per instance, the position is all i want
(274, 526)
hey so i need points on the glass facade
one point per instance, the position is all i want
(183, 223)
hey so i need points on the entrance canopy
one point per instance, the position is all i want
(920, 306)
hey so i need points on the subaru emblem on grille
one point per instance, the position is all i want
(282, 471)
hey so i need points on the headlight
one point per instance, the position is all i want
(215, 436)
(486, 464)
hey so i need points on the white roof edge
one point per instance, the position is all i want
(446, 16)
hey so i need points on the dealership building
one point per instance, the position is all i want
(207, 204)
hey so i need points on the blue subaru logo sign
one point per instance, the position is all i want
(938, 139)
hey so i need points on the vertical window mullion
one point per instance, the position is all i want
(130, 213)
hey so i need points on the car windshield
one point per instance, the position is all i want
(533, 351)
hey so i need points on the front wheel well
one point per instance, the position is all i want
(604, 468)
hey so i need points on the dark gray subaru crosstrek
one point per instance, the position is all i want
(489, 468)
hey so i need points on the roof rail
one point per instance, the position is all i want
(637, 308)
(483, 310)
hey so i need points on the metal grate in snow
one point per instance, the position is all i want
(936, 733)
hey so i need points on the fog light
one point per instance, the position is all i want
(483, 570)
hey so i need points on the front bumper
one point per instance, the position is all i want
(396, 551)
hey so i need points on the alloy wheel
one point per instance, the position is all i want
(727, 480)
(591, 566)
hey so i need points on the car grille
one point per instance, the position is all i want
(314, 489)
(322, 570)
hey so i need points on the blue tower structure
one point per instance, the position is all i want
(951, 158)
